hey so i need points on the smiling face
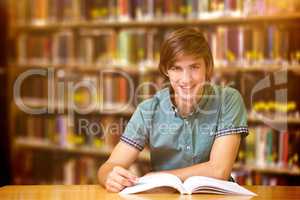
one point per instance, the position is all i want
(187, 78)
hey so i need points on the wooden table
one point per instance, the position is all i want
(96, 192)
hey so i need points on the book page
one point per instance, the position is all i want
(153, 181)
(196, 183)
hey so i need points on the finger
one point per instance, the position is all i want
(111, 189)
(115, 185)
(109, 185)
(125, 173)
(149, 174)
(123, 181)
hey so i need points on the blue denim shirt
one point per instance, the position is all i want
(177, 142)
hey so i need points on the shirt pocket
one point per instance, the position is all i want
(165, 149)
(164, 139)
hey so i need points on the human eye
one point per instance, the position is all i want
(175, 68)
(195, 67)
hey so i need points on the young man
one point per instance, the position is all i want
(192, 128)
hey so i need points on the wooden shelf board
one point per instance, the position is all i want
(288, 120)
(40, 144)
(268, 169)
(36, 103)
(133, 70)
(144, 155)
(113, 109)
(284, 18)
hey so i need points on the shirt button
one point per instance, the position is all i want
(186, 122)
(188, 147)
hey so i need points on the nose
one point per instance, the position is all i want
(186, 76)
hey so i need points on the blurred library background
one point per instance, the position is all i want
(73, 71)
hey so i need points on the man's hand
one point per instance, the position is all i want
(119, 178)
(150, 173)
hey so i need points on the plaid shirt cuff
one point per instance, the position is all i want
(243, 130)
(131, 142)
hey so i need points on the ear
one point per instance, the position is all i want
(208, 73)
(166, 74)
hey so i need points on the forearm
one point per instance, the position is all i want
(208, 169)
(122, 156)
(220, 162)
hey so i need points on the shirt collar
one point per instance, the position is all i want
(166, 103)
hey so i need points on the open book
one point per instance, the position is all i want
(194, 184)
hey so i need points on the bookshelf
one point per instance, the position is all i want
(268, 169)
(42, 145)
(4, 143)
(250, 40)
(248, 20)
(134, 70)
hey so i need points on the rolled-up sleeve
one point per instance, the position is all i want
(233, 114)
(135, 133)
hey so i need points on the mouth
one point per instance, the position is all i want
(186, 87)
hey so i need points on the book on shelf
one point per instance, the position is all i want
(132, 46)
(114, 91)
(75, 130)
(117, 92)
(239, 46)
(62, 11)
(91, 48)
(174, 9)
(87, 44)
(249, 80)
(46, 168)
(97, 47)
(64, 130)
(266, 147)
(194, 184)
(34, 86)
(246, 46)
(262, 179)
(137, 46)
(63, 47)
(35, 48)
(41, 12)
(245, 177)
(99, 10)
(61, 130)
(37, 127)
(264, 104)
(79, 171)
(66, 11)
(45, 48)
(124, 10)
(144, 10)
(149, 84)
(84, 94)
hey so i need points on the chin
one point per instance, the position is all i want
(185, 97)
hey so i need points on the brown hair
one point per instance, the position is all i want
(189, 41)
